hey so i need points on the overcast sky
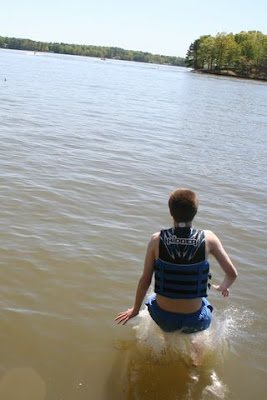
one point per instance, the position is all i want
(157, 26)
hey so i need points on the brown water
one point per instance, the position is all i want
(90, 151)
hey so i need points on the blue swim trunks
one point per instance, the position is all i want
(185, 323)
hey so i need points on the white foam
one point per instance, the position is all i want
(212, 343)
(154, 358)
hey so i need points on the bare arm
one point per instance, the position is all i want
(144, 282)
(215, 247)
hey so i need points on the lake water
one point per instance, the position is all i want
(90, 151)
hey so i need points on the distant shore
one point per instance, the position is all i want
(115, 53)
(232, 74)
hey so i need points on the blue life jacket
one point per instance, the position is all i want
(182, 271)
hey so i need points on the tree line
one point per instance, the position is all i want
(89, 51)
(241, 54)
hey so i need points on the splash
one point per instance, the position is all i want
(162, 365)
(209, 345)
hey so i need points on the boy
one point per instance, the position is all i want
(178, 258)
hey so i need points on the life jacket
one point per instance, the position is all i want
(181, 270)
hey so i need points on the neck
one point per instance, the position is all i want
(182, 224)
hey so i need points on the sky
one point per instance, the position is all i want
(164, 27)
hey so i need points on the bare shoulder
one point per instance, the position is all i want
(215, 247)
(155, 236)
(212, 240)
(154, 240)
(153, 244)
(210, 235)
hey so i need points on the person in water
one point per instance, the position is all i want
(178, 258)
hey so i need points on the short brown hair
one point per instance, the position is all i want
(183, 205)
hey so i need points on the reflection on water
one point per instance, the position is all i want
(144, 377)
(23, 384)
(160, 365)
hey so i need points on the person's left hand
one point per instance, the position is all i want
(223, 290)
(124, 316)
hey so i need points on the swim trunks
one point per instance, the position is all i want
(185, 323)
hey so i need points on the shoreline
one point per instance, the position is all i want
(102, 52)
(230, 74)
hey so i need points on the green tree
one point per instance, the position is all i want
(244, 53)
(221, 50)
(192, 55)
(206, 52)
(232, 52)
